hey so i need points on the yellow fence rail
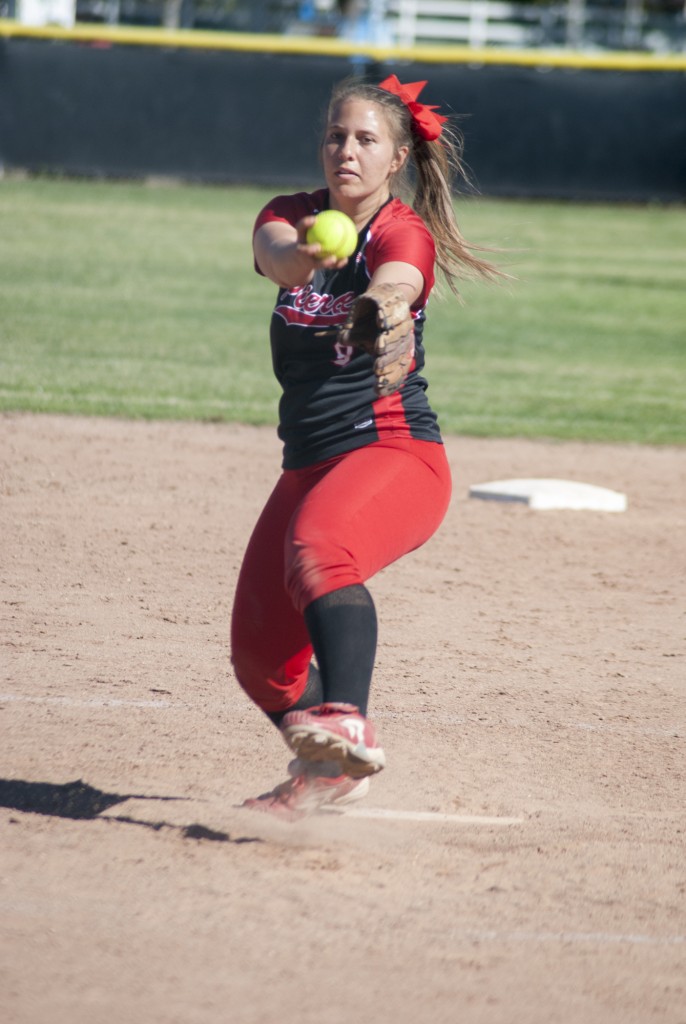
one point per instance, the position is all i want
(122, 35)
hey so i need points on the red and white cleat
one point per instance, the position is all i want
(334, 732)
(307, 793)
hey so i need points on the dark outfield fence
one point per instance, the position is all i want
(248, 109)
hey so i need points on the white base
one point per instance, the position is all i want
(552, 494)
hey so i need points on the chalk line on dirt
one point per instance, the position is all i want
(576, 938)
(91, 702)
(437, 816)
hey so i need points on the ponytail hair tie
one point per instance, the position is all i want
(424, 122)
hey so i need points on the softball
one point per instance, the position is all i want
(336, 234)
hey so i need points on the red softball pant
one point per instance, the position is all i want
(325, 527)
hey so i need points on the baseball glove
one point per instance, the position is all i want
(380, 322)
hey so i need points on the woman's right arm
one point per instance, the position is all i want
(284, 255)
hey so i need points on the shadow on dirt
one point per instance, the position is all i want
(79, 801)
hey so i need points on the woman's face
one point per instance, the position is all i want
(359, 154)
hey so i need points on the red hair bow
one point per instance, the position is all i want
(427, 124)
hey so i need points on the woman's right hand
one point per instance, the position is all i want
(284, 255)
(313, 249)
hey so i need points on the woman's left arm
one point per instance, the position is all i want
(405, 275)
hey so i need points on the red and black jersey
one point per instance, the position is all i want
(328, 404)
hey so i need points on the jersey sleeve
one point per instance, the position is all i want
(290, 209)
(287, 209)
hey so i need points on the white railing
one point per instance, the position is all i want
(580, 24)
(471, 22)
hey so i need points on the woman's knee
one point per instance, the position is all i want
(316, 567)
(272, 682)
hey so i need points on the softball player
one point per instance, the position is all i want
(365, 478)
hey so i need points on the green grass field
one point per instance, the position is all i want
(141, 301)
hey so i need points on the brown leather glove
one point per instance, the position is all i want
(380, 322)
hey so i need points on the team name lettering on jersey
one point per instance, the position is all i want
(308, 308)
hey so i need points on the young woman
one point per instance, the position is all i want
(365, 478)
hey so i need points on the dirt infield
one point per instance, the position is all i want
(531, 669)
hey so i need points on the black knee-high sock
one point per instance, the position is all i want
(311, 695)
(343, 629)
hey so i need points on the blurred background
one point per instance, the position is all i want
(571, 101)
